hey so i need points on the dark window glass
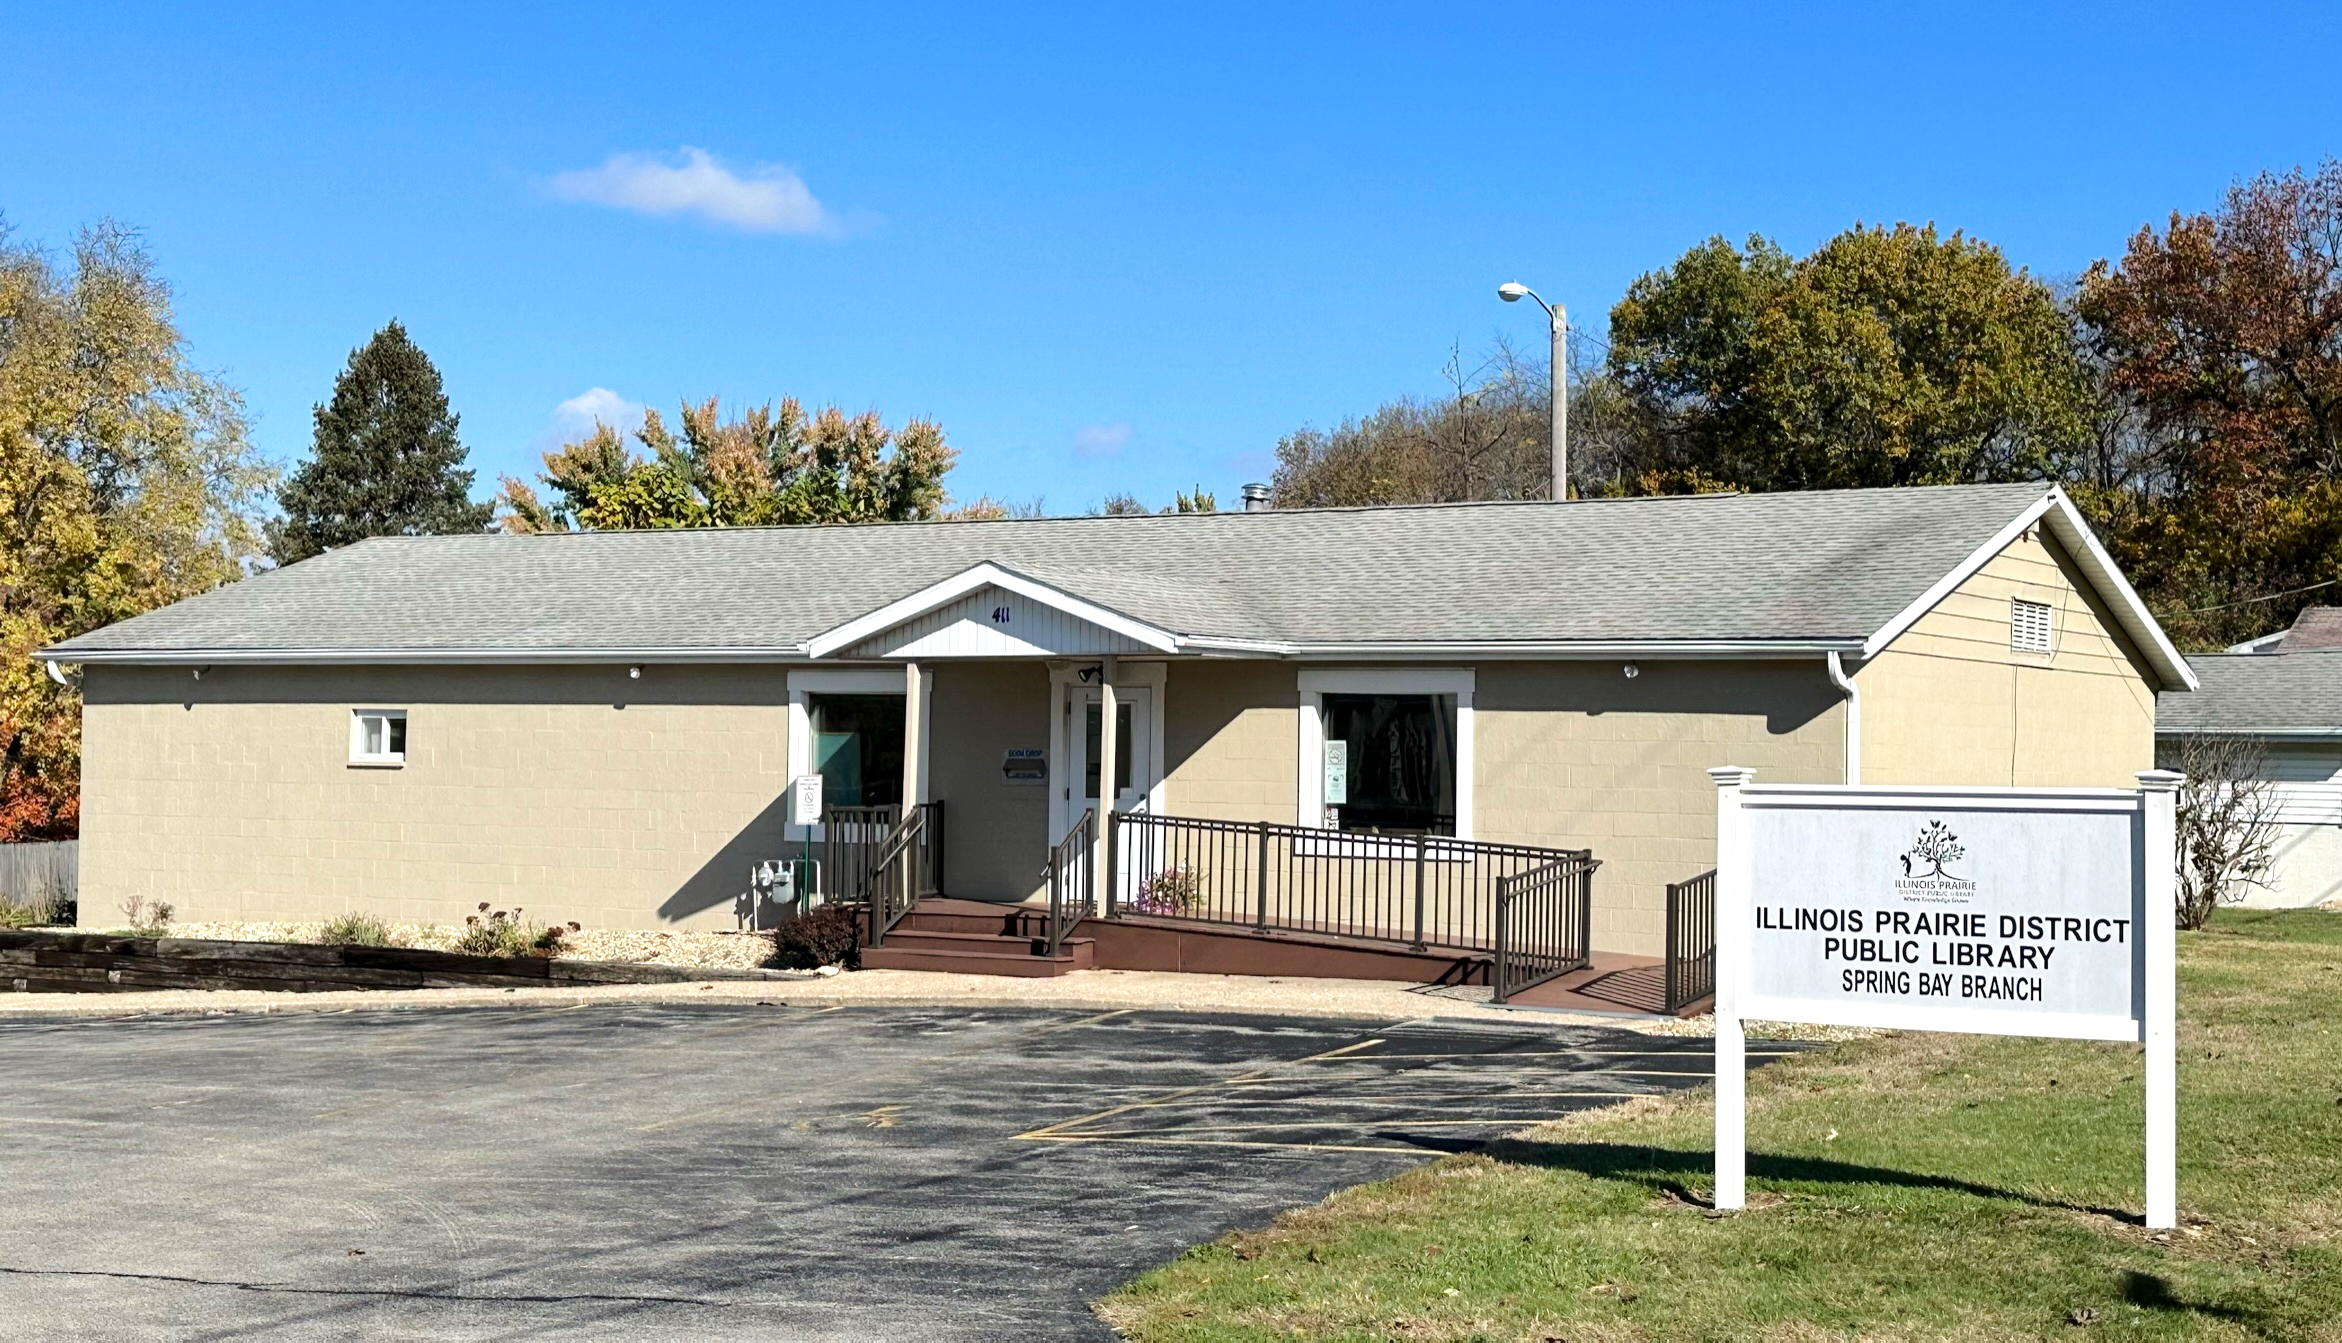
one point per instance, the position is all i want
(1121, 751)
(398, 735)
(1402, 761)
(858, 748)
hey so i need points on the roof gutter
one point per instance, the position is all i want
(1540, 649)
(2274, 733)
(1562, 651)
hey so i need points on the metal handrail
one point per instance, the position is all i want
(908, 869)
(1071, 879)
(1544, 925)
(1424, 891)
(1691, 940)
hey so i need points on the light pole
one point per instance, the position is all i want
(1514, 292)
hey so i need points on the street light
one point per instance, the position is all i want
(1512, 291)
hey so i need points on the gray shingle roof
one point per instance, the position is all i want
(2315, 627)
(1783, 567)
(2258, 692)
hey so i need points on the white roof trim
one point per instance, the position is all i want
(1527, 648)
(2071, 530)
(987, 574)
(2275, 733)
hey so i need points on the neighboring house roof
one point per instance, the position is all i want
(2316, 627)
(2294, 694)
(1838, 570)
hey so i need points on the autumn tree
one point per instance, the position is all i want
(126, 482)
(2224, 331)
(385, 459)
(764, 467)
(1888, 356)
(1486, 436)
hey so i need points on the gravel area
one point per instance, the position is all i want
(731, 951)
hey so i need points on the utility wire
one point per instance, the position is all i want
(2274, 596)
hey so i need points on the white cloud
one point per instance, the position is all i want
(766, 198)
(575, 418)
(1100, 440)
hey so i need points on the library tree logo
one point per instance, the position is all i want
(1925, 876)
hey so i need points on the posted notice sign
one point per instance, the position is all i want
(2012, 913)
(2008, 911)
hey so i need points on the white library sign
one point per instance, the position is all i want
(2005, 911)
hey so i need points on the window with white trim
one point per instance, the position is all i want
(2029, 630)
(378, 736)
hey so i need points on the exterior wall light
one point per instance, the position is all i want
(634, 673)
(1633, 671)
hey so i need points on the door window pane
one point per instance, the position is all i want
(1401, 762)
(857, 748)
(1121, 751)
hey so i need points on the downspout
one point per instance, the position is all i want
(1853, 694)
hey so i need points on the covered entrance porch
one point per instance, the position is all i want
(1012, 780)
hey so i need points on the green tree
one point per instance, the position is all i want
(764, 467)
(1889, 356)
(126, 482)
(385, 460)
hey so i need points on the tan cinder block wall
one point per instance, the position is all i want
(1950, 702)
(1230, 740)
(995, 832)
(233, 798)
(1575, 755)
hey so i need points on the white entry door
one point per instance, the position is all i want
(1134, 749)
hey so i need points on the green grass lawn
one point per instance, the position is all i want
(1913, 1186)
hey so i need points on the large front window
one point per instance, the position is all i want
(1396, 758)
(857, 748)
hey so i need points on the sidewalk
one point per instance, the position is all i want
(1101, 990)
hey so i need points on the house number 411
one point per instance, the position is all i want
(999, 615)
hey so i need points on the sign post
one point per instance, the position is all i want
(2002, 911)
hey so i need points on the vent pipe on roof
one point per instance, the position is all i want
(1256, 497)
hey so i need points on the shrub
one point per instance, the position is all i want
(355, 929)
(503, 932)
(826, 936)
(40, 909)
(147, 918)
(1174, 890)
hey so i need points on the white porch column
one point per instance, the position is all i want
(1109, 763)
(914, 736)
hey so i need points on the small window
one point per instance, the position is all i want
(1399, 759)
(378, 737)
(2028, 626)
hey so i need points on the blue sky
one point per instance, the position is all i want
(1110, 247)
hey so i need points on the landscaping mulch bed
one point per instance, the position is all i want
(78, 962)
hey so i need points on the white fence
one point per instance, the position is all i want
(45, 878)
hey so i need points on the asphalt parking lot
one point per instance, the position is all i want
(664, 1171)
